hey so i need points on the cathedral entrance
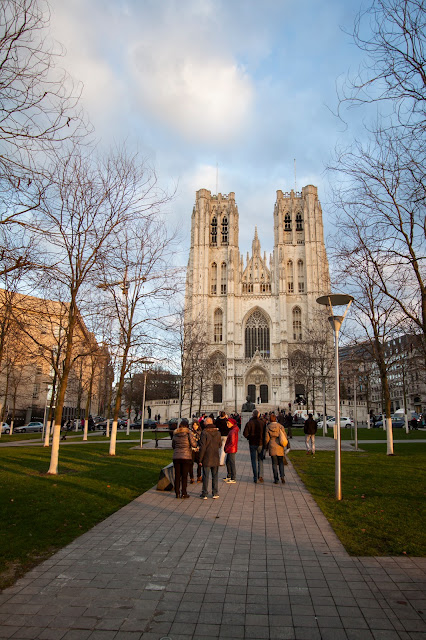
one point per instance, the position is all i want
(257, 386)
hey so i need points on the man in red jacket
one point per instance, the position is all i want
(231, 448)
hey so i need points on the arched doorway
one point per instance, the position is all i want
(257, 385)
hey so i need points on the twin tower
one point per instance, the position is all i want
(258, 314)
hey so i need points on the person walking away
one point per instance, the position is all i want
(254, 433)
(222, 425)
(210, 443)
(288, 424)
(182, 442)
(413, 423)
(275, 443)
(310, 429)
(196, 432)
(231, 448)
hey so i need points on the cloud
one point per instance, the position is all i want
(203, 97)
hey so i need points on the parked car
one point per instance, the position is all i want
(121, 424)
(345, 422)
(5, 428)
(397, 423)
(31, 427)
(147, 424)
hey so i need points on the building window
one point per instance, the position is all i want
(257, 335)
(218, 325)
(36, 391)
(299, 222)
(290, 281)
(217, 393)
(287, 222)
(297, 324)
(213, 279)
(214, 230)
(251, 392)
(223, 278)
(225, 230)
(301, 276)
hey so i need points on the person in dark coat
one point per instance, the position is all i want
(210, 443)
(222, 425)
(183, 441)
(287, 423)
(254, 431)
(310, 429)
(196, 431)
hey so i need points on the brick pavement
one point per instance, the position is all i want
(259, 562)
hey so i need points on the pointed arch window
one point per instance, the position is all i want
(213, 230)
(290, 277)
(297, 323)
(301, 276)
(224, 230)
(223, 278)
(287, 222)
(213, 279)
(299, 222)
(218, 325)
(257, 335)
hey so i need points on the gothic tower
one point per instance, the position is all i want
(257, 314)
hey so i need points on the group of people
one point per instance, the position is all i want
(208, 447)
(211, 443)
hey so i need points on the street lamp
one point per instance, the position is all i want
(338, 300)
(145, 362)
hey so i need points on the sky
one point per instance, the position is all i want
(245, 86)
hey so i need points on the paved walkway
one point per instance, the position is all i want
(259, 562)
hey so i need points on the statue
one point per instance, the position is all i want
(248, 406)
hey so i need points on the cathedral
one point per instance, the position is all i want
(258, 312)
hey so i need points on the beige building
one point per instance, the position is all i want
(259, 312)
(32, 334)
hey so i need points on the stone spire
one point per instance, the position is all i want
(256, 244)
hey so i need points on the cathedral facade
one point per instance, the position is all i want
(258, 312)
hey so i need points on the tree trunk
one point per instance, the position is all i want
(54, 457)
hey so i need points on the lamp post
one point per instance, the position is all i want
(338, 300)
(146, 363)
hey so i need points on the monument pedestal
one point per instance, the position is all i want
(245, 417)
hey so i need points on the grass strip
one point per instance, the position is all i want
(40, 513)
(382, 511)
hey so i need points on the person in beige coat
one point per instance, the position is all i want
(275, 443)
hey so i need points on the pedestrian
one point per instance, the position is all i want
(275, 442)
(310, 430)
(413, 423)
(231, 448)
(210, 443)
(159, 418)
(196, 432)
(222, 425)
(288, 424)
(183, 442)
(254, 432)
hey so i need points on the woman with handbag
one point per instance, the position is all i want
(275, 442)
(183, 442)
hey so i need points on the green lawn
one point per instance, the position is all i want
(41, 513)
(377, 434)
(368, 434)
(382, 511)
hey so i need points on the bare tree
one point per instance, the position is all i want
(379, 182)
(39, 112)
(87, 203)
(138, 278)
(375, 316)
(392, 35)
